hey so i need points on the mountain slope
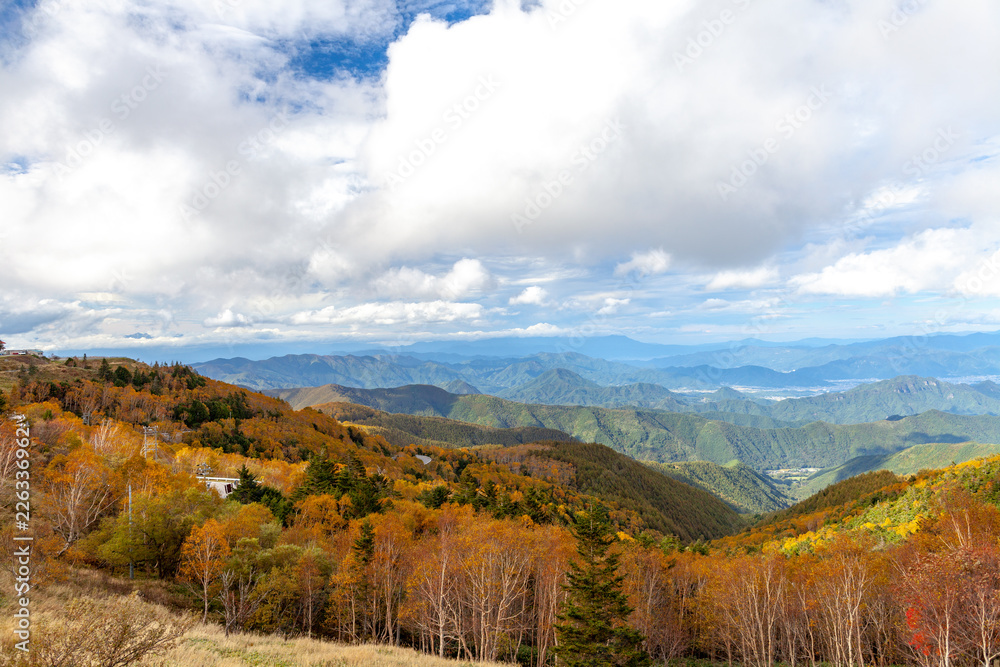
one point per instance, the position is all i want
(906, 462)
(669, 505)
(904, 395)
(304, 453)
(666, 436)
(743, 488)
(402, 430)
(560, 386)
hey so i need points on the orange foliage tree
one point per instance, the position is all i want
(203, 558)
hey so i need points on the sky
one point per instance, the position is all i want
(183, 173)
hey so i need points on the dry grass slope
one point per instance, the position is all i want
(207, 646)
(89, 619)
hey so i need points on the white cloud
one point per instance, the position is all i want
(612, 306)
(645, 263)
(757, 306)
(228, 318)
(727, 280)
(466, 277)
(930, 260)
(533, 295)
(117, 114)
(382, 314)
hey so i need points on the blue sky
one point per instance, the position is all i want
(240, 172)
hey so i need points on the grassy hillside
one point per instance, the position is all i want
(208, 646)
(743, 488)
(909, 461)
(668, 437)
(132, 613)
(858, 491)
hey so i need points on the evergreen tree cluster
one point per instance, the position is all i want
(249, 490)
(369, 494)
(593, 629)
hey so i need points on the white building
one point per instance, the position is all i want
(221, 485)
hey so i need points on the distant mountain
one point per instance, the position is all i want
(460, 387)
(988, 388)
(402, 430)
(901, 396)
(564, 387)
(422, 400)
(905, 395)
(491, 375)
(299, 370)
(942, 355)
(669, 436)
(743, 488)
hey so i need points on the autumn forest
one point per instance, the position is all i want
(505, 552)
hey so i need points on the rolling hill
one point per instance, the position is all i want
(664, 503)
(402, 430)
(744, 489)
(669, 436)
(560, 386)
(906, 462)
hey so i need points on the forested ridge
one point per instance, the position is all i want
(667, 437)
(338, 533)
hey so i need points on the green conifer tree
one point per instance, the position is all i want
(593, 629)
(104, 372)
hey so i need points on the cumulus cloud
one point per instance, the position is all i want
(534, 296)
(728, 280)
(228, 318)
(612, 305)
(645, 263)
(392, 313)
(929, 261)
(198, 158)
(466, 277)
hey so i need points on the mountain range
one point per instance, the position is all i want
(503, 367)
(672, 436)
(901, 396)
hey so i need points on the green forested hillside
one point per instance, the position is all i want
(864, 488)
(402, 430)
(904, 395)
(563, 387)
(742, 487)
(908, 461)
(667, 436)
(664, 503)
